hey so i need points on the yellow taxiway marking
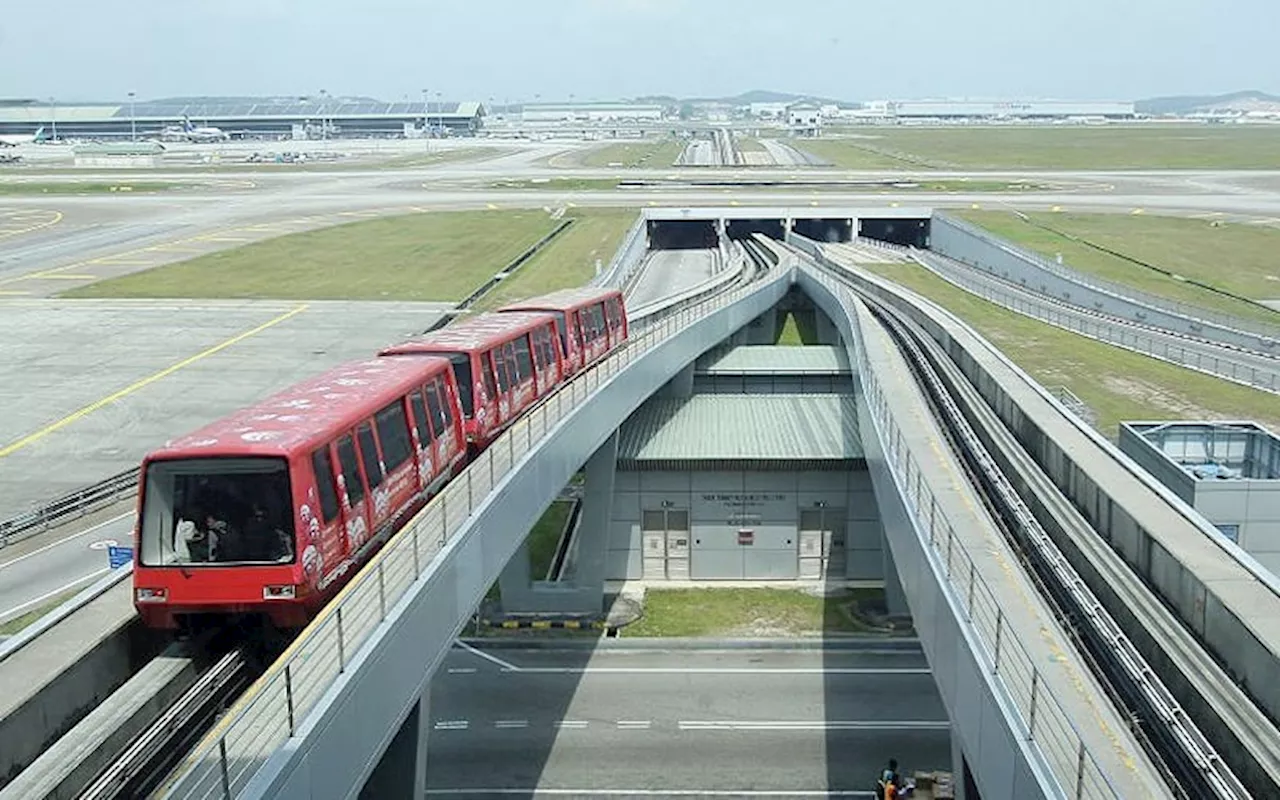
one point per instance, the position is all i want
(3, 293)
(54, 220)
(61, 276)
(10, 449)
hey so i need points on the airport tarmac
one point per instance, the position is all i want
(87, 387)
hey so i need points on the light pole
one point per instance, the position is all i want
(440, 112)
(133, 122)
(324, 123)
(53, 118)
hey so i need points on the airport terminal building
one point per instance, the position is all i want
(248, 118)
(999, 109)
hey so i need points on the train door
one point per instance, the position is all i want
(617, 322)
(499, 355)
(594, 333)
(438, 413)
(329, 541)
(453, 438)
(392, 428)
(490, 386)
(428, 463)
(375, 476)
(354, 496)
(520, 360)
(544, 360)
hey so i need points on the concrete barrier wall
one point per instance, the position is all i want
(629, 256)
(977, 249)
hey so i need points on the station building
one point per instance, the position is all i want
(592, 112)
(242, 118)
(1228, 471)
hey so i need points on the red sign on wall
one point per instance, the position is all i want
(746, 537)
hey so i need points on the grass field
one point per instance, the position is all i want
(435, 256)
(655, 153)
(570, 260)
(745, 613)
(8, 188)
(544, 537)
(558, 184)
(18, 623)
(1237, 258)
(1065, 147)
(1116, 384)
(798, 328)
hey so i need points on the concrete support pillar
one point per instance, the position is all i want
(853, 230)
(721, 230)
(763, 329)
(681, 386)
(895, 598)
(966, 788)
(828, 333)
(583, 593)
(401, 773)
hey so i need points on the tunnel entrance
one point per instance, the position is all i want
(683, 234)
(907, 232)
(825, 230)
(742, 228)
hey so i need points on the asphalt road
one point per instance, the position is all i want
(678, 721)
(37, 571)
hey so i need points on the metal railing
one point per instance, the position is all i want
(1193, 312)
(1045, 723)
(274, 709)
(1108, 329)
(69, 506)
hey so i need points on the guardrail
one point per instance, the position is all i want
(69, 506)
(1103, 328)
(87, 595)
(627, 256)
(1045, 722)
(1138, 296)
(272, 711)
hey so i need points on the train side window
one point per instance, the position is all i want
(524, 360)
(446, 408)
(420, 419)
(544, 348)
(615, 314)
(562, 321)
(433, 407)
(323, 467)
(350, 471)
(393, 432)
(369, 455)
(500, 367)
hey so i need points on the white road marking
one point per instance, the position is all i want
(633, 724)
(461, 670)
(815, 725)
(64, 588)
(511, 723)
(506, 665)
(721, 670)
(51, 545)
(573, 724)
(594, 792)
(452, 725)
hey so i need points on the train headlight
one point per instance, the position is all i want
(151, 595)
(279, 592)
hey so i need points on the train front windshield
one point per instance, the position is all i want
(217, 511)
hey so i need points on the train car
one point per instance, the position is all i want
(503, 364)
(592, 322)
(269, 511)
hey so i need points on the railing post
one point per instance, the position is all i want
(1031, 717)
(222, 764)
(972, 580)
(382, 591)
(995, 661)
(342, 645)
(288, 694)
(417, 565)
(1080, 771)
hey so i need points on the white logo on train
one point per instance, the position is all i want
(260, 436)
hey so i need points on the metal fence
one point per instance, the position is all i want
(1108, 330)
(69, 506)
(273, 710)
(1045, 723)
(1194, 312)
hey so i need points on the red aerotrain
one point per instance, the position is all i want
(271, 510)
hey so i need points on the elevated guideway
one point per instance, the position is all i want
(345, 707)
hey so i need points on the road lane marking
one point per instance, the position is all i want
(720, 670)
(571, 724)
(452, 725)
(462, 670)
(634, 724)
(595, 792)
(507, 724)
(506, 665)
(52, 545)
(814, 725)
(147, 381)
(21, 607)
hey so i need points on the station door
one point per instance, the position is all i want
(665, 534)
(822, 548)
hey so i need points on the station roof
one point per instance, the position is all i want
(1215, 450)
(777, 431)
(775, 360)
(214, 112)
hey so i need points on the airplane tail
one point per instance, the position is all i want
(186, 124)
(39, 135)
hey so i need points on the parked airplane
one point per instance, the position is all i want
(191, 133)
(13, 140)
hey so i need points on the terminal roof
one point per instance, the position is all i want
(742, 432)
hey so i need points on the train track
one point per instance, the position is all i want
(1190, 763)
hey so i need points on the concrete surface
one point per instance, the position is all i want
(669, 272)
(694, 722)
(88, 387)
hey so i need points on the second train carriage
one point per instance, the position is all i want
(591, 322)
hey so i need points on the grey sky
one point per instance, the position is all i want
(476, 49)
